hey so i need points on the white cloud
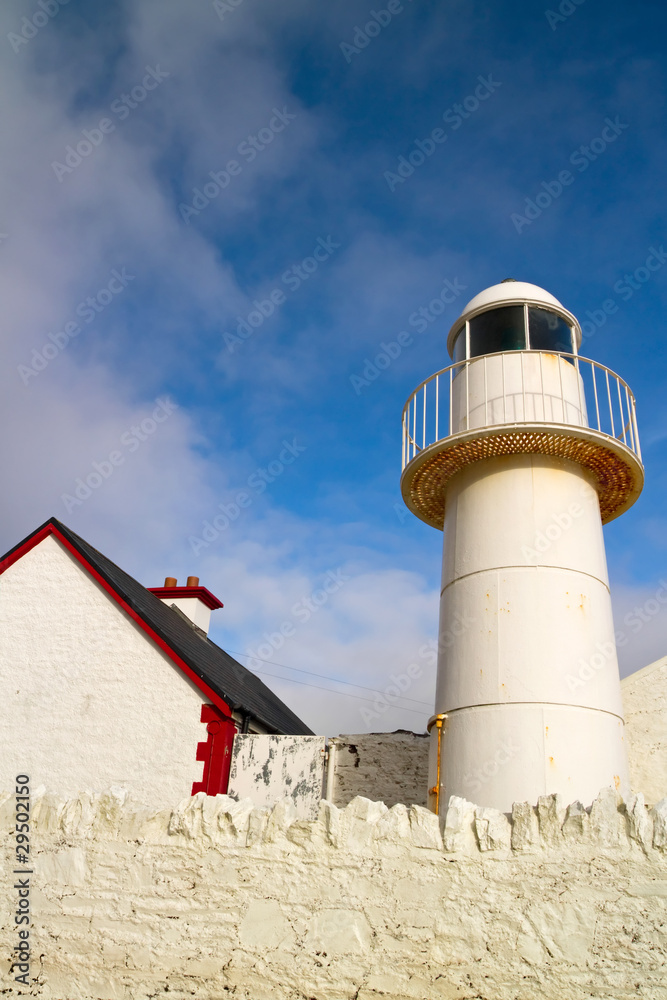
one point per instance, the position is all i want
(354, 635)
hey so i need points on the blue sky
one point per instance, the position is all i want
(304, 117)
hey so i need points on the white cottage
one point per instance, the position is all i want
(105, 682)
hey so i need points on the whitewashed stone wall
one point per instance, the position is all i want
(645, 705)
(389, 767)
(215, 898)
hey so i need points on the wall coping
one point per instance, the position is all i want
(363, 826)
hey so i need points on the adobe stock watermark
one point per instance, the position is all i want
(394, 692)
(224, 7)
(474, 780)
(400, 683)
(87, 310)
(552, 532)
(24, 865)
(454, 116)
(257, 483)
(581, 158)
(31, 26)
(249, 149)
(131, 440)
(560, 523)
(401, 512)
(640, 616)
(301, 612)
(457, 626)
(565, 10)
(292, 279)
(605, 652)
(625, 287)
(122, 108)
(378, 19)
(419, 320)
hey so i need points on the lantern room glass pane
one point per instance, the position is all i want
(497, 330)
(460, 344)
(548, 332)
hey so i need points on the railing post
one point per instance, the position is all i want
(542, 392)
(522, 354)
(611, 408)
(595, 394)
(424, 421)
(620, 406)
(583, 409)
(414, 425)
(631, 428)
(502, 366)
(638, 449)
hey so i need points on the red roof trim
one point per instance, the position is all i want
(29, 543)
(204, 595)
(50, 529)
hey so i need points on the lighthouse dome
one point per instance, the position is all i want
(513, 315)
(510, 291)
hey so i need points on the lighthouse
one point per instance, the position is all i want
(520, 450)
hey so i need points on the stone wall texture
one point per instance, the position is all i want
(390, 767)
(215, 898)
(645, 705)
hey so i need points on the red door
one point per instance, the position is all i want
(216, 752)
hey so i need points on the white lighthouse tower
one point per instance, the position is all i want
(521, 450)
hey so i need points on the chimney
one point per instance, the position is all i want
(195, 602)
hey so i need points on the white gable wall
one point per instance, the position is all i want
(88, 700)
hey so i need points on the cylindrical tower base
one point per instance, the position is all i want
(524, 751)
(527, 669)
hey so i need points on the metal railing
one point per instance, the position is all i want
(517, 388)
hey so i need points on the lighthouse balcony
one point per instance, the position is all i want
(517, 402)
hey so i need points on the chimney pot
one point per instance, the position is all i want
(195, 602)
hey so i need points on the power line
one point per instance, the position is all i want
(323, 677)
(345, 694)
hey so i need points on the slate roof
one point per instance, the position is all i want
(242, 690)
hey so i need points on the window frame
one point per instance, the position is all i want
(573, 339)
(526, 306)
